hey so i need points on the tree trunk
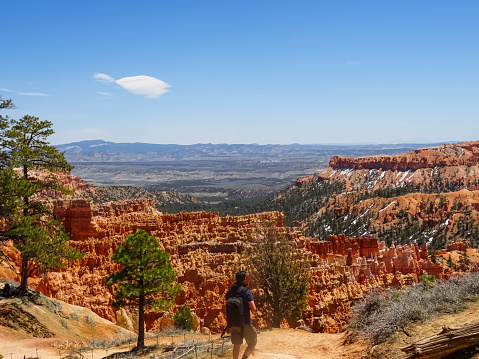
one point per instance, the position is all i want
(24, 277)
(141, 322)
(25, 199)
(449, 340)
(277, 317)
(24, 273)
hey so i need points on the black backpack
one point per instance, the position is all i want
(235, 309)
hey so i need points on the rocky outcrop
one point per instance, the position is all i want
(205, 250)
(447, 213)
(344, 268)
(427, 194)
(441, 168)
(102, 194)
(460, 154)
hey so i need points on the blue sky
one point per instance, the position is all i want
(244, 71)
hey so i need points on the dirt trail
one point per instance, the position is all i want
(298, 344)
(272, 344)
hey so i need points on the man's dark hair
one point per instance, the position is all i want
(240, 277)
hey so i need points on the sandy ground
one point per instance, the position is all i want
(272, 344)
(16, 343)
(298, 344)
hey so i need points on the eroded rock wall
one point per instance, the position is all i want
(460, 154)
(446, 165)
(205, 251)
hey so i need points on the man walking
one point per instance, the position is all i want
(248, 331)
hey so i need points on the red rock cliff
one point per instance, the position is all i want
(205, 251)
(460, 154)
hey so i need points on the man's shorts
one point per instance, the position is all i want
(248, 332)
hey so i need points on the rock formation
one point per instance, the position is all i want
(460, 154)
(433, 190)
(427, 194)
(447, 165)
(205, 251)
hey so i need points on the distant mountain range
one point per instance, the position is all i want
(104, 151)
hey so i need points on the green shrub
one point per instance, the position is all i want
(64, 324)
(183, 319)
(90, 320)
(58, 305)
(74, 316)
(427, 281)
(384, 312)
(450, 263)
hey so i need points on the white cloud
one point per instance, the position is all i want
(103, 93)
(32, 94)
(6, 90)
(147, 86)
(103, 77)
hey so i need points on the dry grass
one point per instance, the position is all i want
(386, 311)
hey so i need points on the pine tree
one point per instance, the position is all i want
(146, 280)
(281, 271)
(450, 262)
(184, 319)
(41, 240)
(4, 104)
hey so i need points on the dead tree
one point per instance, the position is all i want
(448, 341)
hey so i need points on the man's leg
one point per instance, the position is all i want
(250, 335)
(236, 340)
(248, 351)
(236, 351)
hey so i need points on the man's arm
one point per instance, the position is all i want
(252, 306)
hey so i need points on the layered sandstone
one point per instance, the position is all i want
(100, 194)
(460, 154)
(444, 212)
(452, 166)
(426, 194)
(205, 251)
